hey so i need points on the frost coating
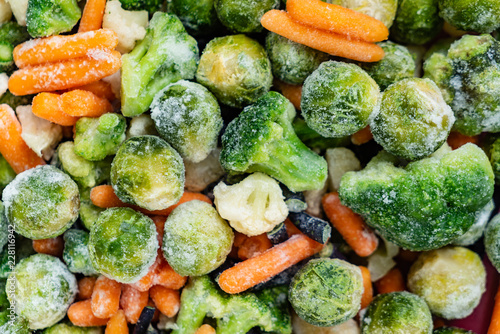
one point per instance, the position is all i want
(476, 231)
(471, 15)
(44, 290)
(243, 16)
(76, 252)
(198, 16)
(492, 241)
(63, 328)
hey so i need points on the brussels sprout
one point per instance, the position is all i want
(451, 280)
(292, 62)
(441, 46)
(397, 64)
(477, 229)
(71, 329)
(492, 241)
(96, 138)
(198, 16)
(148, 172)
(326, 292)
(451, 330)
(123, 244)
(417, 22)
(470, 15)
(76, 252)
(382, 10)
(188, 117)
(413, 120)
(196, 239)
(338, 99)
(21, 326)
(235, 69)
(243, 16)
(88, 211)
(397, 312)
(41, 202)
(42, 289)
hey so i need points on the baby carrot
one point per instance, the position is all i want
(167, 277)
(132, 301)
(251, 272)
(292, 92)
(281, 23)
(291, 229)
(52, 246)
(105, 297)
(117, 324)
(100, 88)
(338, 19)
(63, 47)
(363, 136)
(85, 287)
(166, 300)
(350, 225)
(82, 103)
(80, 314)
(254, 246)
(391, 282)
(160, 227)
(495, 317)
(92, 15)
(367, 296)
(145, 283)
(205, 329)
(12, 146)
(64, 74)
(49, 106)
(456, 139)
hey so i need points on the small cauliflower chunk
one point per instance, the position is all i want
(39, 134)
(200, 174)
(129, 25)
(4, 82)
(302, 327)
(340, 161)
(19, 8)
(253, 206)
(5, 11)
(141, 125)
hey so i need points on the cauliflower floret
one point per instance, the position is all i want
(302, 327)
(200, 174)
(253, 206)
(40, 135)
(19, 9)
(340, 161)
(5, 11)
(141, 125)
(129, 25)
(4, 82)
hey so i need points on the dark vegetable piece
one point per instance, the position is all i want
(315, 228)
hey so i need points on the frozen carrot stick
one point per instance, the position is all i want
(117, 324)
(92, 15)
(63, 47)
(363, 136)
(167, 277)
(350, 225)
(291, 229)
(100, 88)
(254, 246)
(495, 317)
(105, 297)
(367, 296)
(456, 139)
(251, 272)
(12, 146)
(391, 282)
(80, 314)
(132, 301)
(166, 300)
(85, 287)
(49, 106)
(82, 103)
(52, 246)
(281, 23)
(338, 19)
(205, 329)
(64, 74)
(292, 92)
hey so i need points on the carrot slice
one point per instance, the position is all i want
(64, 74)
(82, 103)
(106, 297)
(166, 300)
(52, 246)
(281, 23)
(251, 272)
(205, 329)
(132, 301)
(49, 106)
(92, 15)
(254, 246)
(391, 282)
(363, 136)
(63, 47)
(338, 19)
(12, 146)
(117, 324)
(167, 277)
(495, 317)
(367, 296)
(456, 139)
(85, 287)
(80, 314)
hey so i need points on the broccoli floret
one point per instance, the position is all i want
(20, 326)
(235, 314)
(425, 205)
(14, 101)
(6, 57)
(150, 5)
(88, 211)
(167, 54)
(51, 17)
(262, 139)
(11, 34)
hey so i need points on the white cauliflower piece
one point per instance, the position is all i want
(5, 11)
(200, 174)
(39, 134)
(19, 9)
(302, 327)
(313, 200)
(141, 125)
(381, 261)
(253, 206)
(340, 161)
(115, 80)
(4, 83)
(129, 25)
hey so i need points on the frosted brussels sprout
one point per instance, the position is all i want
(413, 120)
(338, 99)
(382, 10)
(76, 252)
(492, 241)
(148, 172)
(198, 16)
(71, 329)
(42, 289)
(41, 202)
(471, 15)
(243, 16)
(292, 62)
(477, 229)
(326, 292)
(395, 313)
(196, 239)
(188, 117)
(235, 69)
(451, 330)
(451, 280)
(123, 244)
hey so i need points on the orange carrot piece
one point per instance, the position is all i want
(117, 324)
(156, 316)
(63, 47)
(439, 322)
(82, 103)
(49, 106)
(363, 136)
(392, 282)
(145, 283)
(456, 139)
(85, 288)
(251, 272)
(106, 297)
(100, 88)
(254, 246)
(291, 229)
(239, 238)
(292, 92)
(338, 19)
(64, 74)
(495, 317)
(80, 314)
(160, 227)
(350, 225)
(132, 301)
(205, 329)
(367, 296)
(281, 23)
(12, 146)
(167, 277)
(52, 246)
(92, 15)
(166, 300)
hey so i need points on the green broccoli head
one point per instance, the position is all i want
(262, 139)
(51, 17)
(150, 5)
(167, 54)
(425, 205)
